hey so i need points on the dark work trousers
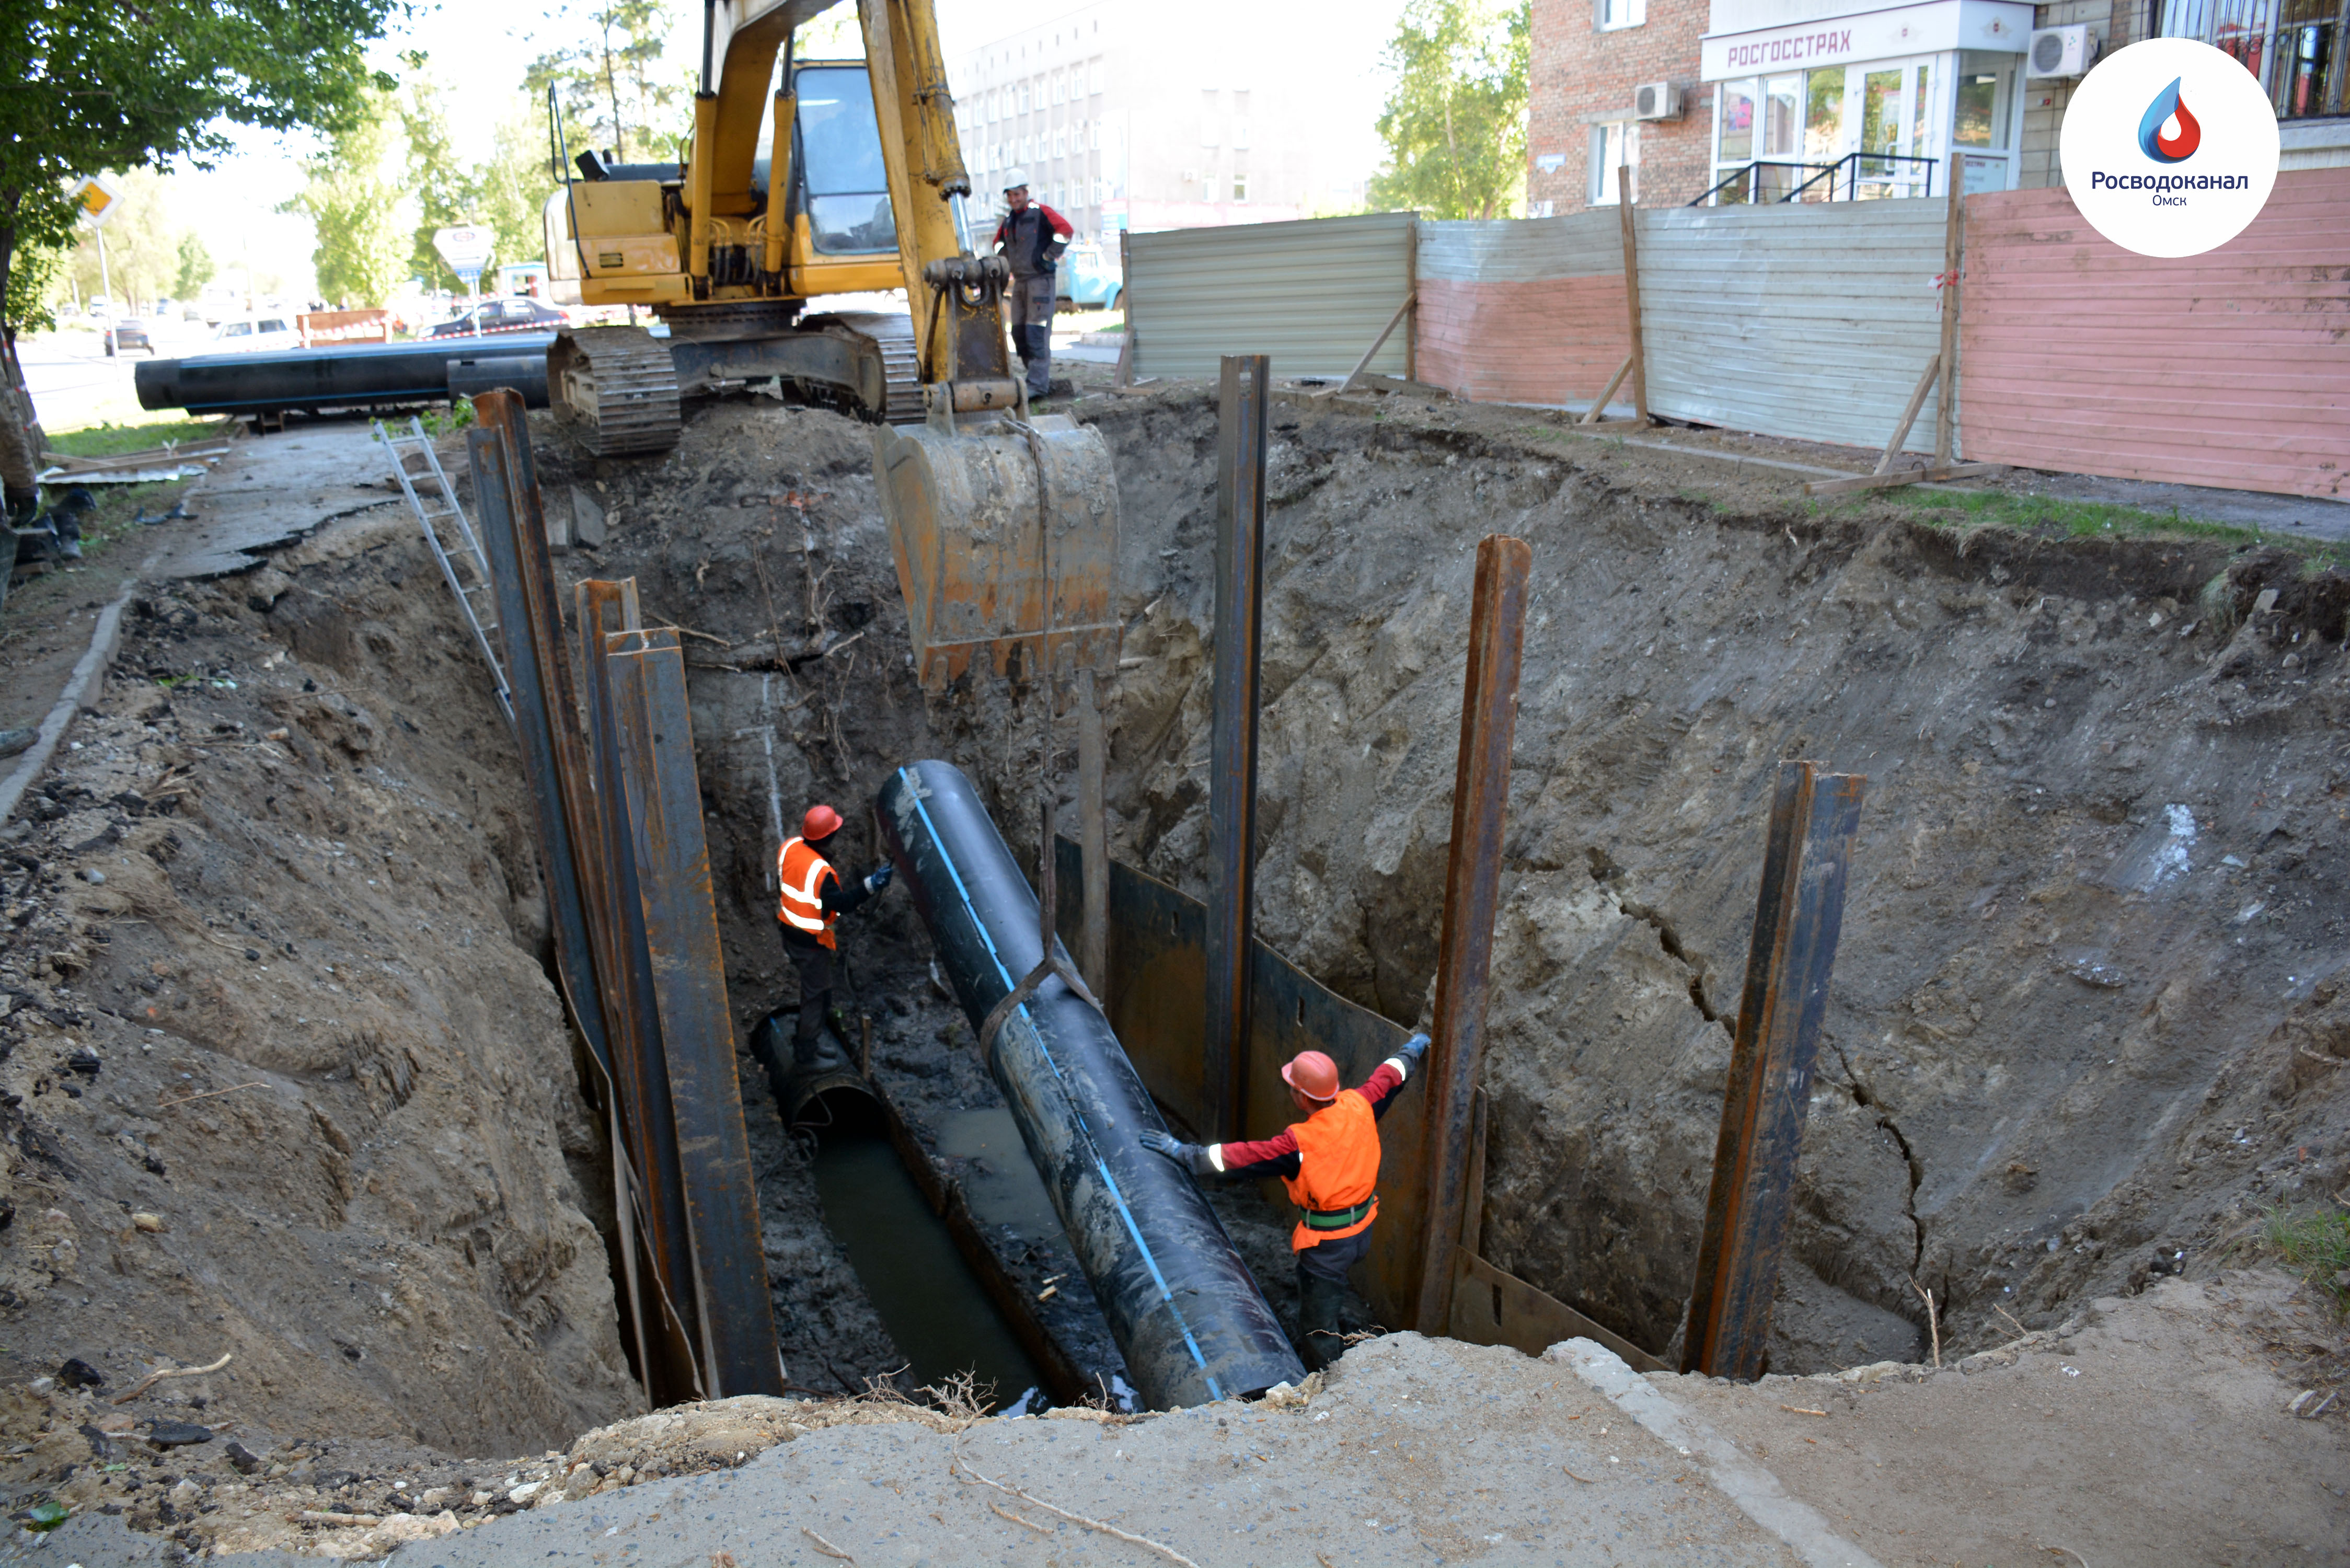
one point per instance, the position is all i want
(815, 966)
(1030, 303)
(1322, 1270)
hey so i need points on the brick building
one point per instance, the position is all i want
(1751, 99)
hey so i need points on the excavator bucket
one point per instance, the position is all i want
(967, 525)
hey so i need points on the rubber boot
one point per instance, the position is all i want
(1319, 1301)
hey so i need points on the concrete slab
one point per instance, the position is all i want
(274, 490)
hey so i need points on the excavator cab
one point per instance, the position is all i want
(1004, 526)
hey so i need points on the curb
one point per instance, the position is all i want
(1755, 1490)
(86, 678)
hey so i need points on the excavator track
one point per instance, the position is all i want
(618, 388)
(895, 334)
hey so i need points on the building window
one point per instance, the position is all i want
(1240, 187)
(1615, 14)
(2297, 48)
(1097, 72)
(1613, 146)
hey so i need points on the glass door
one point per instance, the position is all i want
(1896, 103)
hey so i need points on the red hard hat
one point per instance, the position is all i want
(821, 822)
(1312, 1074)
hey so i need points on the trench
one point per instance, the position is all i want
(934, 1306)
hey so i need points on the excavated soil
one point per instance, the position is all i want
(2086, 1026)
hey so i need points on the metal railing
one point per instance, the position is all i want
(1855, 167)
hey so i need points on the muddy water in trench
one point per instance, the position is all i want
(933, 1304)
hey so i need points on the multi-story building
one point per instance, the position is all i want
(1733, 100)
(1150, 118)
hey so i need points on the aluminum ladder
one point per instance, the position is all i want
(458, 552)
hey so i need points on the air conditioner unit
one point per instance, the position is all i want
(2067, 51)
(1656, 100)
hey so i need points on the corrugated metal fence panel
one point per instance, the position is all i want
(1523, 310)
(2226, 368)
(1313, 295)
(1812, 321)
(1555, 342)
(1522, 250)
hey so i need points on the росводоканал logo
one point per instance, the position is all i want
(2168, 133)
(2153, 175)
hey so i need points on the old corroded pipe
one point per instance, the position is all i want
(1180, 1304)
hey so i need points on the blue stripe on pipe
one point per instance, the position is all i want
(914, 793)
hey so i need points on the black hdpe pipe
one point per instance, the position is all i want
(353, 376)
(1180, 1304)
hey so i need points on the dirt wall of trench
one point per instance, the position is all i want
(2091, 938)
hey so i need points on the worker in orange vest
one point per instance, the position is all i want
(1330, 1163)
(813, 899)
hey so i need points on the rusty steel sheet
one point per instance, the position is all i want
(1245, 404)
(1157, 962)
(964, 525)
(672, 1366)
(508, 541)
(653, 737)
(1799, 916)
(1472, 892)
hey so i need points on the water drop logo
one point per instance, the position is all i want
(2168, 133)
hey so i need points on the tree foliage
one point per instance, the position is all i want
(1455, 121)
(357, 197)
(611, 83)
(105, 84)
(197, 267)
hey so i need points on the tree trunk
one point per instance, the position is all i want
(20, 436)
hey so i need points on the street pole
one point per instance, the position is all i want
(106, 288)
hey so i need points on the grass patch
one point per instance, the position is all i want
(2316, 1245)
(1965, 511)
(108, 440)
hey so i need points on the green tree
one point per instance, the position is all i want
(196, 266)
(438, 180)
(32, 297)
(355, 195)
(510, 191)
(121, 84)
(1455, 121)
(610, 84)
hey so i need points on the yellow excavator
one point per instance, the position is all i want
(860, 187)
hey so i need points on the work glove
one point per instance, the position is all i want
(1414, 1049)
(879, 878)
(1190, 1156)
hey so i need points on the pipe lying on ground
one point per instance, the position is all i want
(355, 376)
(1180, 1304)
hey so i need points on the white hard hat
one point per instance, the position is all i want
(1015, 177)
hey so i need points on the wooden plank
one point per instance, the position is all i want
(1909, 414)
(1376, 344)
(1905, 476)
(1591, 415)
(1945, 428)
(1490, 1307)
(1629, 214)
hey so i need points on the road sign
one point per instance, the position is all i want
(96, 198)
(467, 247)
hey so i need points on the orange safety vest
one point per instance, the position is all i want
(1337, 1168)
(800, 872)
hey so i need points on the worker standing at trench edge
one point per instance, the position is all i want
(812, 901)
(1330, 1163)
(1031, 237)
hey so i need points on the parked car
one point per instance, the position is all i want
(255, 334)
(193, 312)
(1090, 279)
(513, 314)
(127, 333)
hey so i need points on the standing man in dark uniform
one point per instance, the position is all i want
(1330, 1163)
(1031, 237)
